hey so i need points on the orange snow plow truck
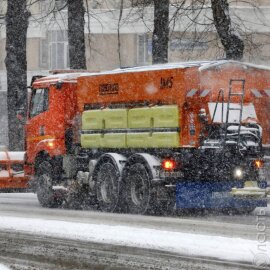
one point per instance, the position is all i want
(187, 135)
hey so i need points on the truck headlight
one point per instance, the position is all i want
(238, 173)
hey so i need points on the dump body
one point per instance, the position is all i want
(141, 89)
(122, 110)
(190, 87)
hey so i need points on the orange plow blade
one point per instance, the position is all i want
(12, 175)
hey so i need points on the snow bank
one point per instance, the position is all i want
(19, 156)
(3, 267)
(5, 173)
(224, 248)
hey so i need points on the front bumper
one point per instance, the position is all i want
(250, 190)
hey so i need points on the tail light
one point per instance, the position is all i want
(258, 163)
(168, 164)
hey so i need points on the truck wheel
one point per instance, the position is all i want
(45, 192)
(138, 189)
(107, 186)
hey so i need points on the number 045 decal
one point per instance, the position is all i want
(166, 83)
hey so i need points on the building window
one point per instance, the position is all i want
(43, 6)
(60, 4)
(58, 49)
(3, 81)
(49, 5)
(144, 49)
(44, 54)
(95, 4)
(54, 52)
(136, 3)
(188, 44)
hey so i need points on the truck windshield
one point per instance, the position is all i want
(39, 101)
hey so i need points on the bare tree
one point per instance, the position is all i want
(230, 39)
(199, 25)
(74, 21)
(76, 36)
(118, 31)
(161, 31)
(17, 17)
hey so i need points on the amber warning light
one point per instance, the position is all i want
(258, 163)
(50, 144)
(168, 164)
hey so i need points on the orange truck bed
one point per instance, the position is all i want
(191, 86)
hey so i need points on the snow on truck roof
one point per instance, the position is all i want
(71, 77)
(176, 65)
(232, 62)
(202, 65)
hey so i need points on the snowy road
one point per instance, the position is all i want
(88, 237)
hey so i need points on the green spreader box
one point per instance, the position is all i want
(139, 140)
(104, 119)
(147, 118)
(91, 140)
(109, 140)
(139, 118)
(114, 140)
(115, 118)
(166, 116)
(92, 120)
(165, 139)
(154, 140)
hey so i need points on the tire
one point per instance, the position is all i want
(138, 193)
(107, 186)
(45, 193)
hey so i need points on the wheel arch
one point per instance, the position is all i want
(108, 201)
(151, 163)
(117, 159)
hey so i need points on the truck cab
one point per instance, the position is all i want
(52, 108)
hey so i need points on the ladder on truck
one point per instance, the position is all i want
(241, 95)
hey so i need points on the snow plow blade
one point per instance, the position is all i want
(12, 175)
(218, 195)
(250, 190)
